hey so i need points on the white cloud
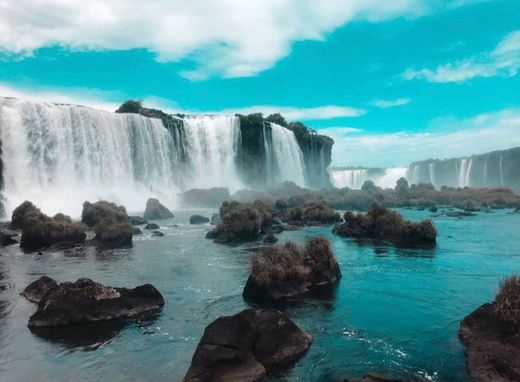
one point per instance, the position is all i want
(504, 60)
(229, 38)
(87, 97)
(387, 103)
(483, 133)
(98, 99)
(297, 113)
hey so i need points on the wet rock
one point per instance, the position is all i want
(137, 220)
(215, 219)
(492, 349)
(289, 271)
(36, 290)
(93, 213)
(491, 334)
(86, 301)
(7, 237)
(315, 214)
(157, 234)
(270, 239)
(458, 214)
(151, 226)
(200, 197)
(244, 347)
(137, 231)
(198, 219)
(156, 211)
(381, 223)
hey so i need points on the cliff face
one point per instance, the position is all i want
(494, 169)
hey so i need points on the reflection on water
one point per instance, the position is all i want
(394, 310)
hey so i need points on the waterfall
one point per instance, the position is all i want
(353, 179)
(391, 176)
(211, 144)
(58, 156)
(287, 158)
(431, 172)
(462, 173)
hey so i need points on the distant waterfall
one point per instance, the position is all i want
(431, 173)
(211, 144)
(353, 179)
(60, 155)
(283, 155)
(391, 176)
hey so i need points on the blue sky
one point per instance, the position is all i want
(391, 82)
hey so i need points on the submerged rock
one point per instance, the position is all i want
(40, 230)
(270, 239)
(156, 211)
(157, 234)
(373, 377)
(290, 271)
(244, 347)
(137, 231)
(137, 220)
(36, 290)
(205, 197)
(198, 219)
(491, 334)
(151, 226)
(86, 301)
(381, 223)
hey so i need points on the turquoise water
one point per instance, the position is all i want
(395, 310)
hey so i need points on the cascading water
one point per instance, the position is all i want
(211, 144)
(284, 157)
(353, 179)
(431, 172)
(58, 156)
(391, 176)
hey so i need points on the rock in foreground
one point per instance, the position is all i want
(156, 211)
(290, 271)
(36, 290)
(491, 334)
(244, 347)
(86, 301)
(380, 223)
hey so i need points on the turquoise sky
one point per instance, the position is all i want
(390, 82)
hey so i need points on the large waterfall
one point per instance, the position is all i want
(211, 144)
(284, 156)
(353, 179)
(58, 156)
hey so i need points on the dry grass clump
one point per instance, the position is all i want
(93, 213)
(508, 300)
(317, 212)
(243, 219)
(292, 262)
(109, 230)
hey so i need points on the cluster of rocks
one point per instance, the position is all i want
(109, 222)
(249, 221)
(381, 223)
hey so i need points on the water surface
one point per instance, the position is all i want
(395, 310)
